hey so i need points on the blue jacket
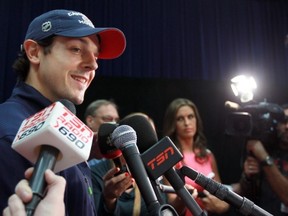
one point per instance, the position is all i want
(24, 102)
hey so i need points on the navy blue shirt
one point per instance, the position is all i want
(24, 102)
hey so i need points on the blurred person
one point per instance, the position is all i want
(96, 113)
(265, 172)
(57, 60)
(51, 204)
(183, 124)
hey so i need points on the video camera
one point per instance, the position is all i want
(255, 121)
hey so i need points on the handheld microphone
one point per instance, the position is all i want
(160, 159)
(142, 127)
(166, 188)
(107, 148)
(244, 205)
(124, 138)
(55, 139)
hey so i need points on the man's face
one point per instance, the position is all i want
(105, 113)
(282, 129)
(67, 71)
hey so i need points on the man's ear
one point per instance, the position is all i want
(32, 49)
(89, 120)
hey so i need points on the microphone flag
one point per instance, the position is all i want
(55, 126)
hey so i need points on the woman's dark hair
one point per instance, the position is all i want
(22, 64)
(169, 125)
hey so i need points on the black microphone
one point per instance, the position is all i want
(52, 135)
(244, 205)
(124, 138)
(161, 157)
(107, 148)
(142, 127)
(146, 134)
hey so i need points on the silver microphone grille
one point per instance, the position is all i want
(124, 136)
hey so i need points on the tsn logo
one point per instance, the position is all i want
(161, 158)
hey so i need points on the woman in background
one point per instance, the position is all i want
(182, 123)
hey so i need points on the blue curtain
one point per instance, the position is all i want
(179, 39)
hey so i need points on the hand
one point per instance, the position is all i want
(251, 166)
(213, 204)
(114, 186)
(192, 190)
(52, 204)
(257, 149)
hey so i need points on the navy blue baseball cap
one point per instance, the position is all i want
(69, 23)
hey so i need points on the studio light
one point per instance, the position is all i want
(243, 87)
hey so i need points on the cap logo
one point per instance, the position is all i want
(46, 26)
(83, 20)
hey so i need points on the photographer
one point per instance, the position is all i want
(265, 172)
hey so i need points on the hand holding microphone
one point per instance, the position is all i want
(52, 203)
(53, 134)
(244, 205)
(117, 180)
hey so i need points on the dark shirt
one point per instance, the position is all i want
(259, 190)
(24, 102)
(125, 202)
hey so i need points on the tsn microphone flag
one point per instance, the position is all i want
(55, 126)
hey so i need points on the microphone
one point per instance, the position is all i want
(244, 205)
(124, 138)
(107, 149)
(142, 127)
(165, 188)
(54, 138)
(161, 157)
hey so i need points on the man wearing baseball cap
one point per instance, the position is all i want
(57, 61)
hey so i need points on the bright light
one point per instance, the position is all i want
(243, 87)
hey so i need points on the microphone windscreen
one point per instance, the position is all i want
(107, 149)
(146, 134)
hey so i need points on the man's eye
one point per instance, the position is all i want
(76, 50)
